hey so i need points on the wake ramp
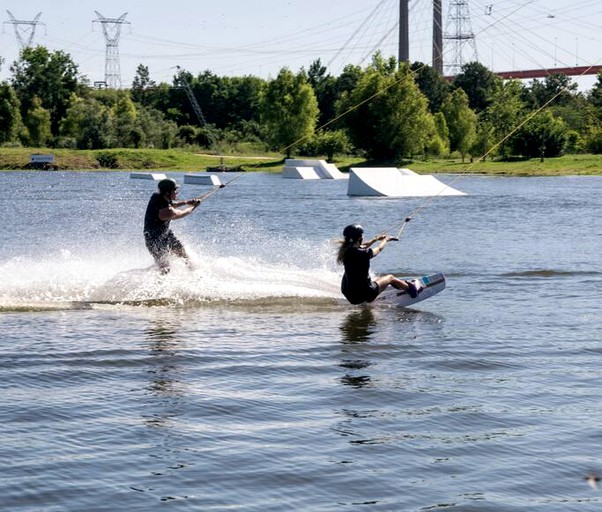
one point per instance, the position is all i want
(311, 170)
(393, 182)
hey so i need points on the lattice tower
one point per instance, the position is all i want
(111, 28)
(25, 30)
(462, 37)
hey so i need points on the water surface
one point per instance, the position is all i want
(249, 384)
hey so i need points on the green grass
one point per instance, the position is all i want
(140, 159)
(190, 161)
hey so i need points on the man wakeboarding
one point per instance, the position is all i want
(162, 208)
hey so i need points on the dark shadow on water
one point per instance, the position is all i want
(358, 326)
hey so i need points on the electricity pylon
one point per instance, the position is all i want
(26, 34)
(111, 28)
(462, 35)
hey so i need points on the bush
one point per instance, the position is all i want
(543, 136)
(108, 160)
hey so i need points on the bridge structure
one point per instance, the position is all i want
(575, 71)
(542, 73)
(461, 16)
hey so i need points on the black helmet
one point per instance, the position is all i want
(167, 185)
(353, 232)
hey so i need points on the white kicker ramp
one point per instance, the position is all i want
(147, 176)
(393, 182)
(202, 179)
(311, 170)
(300, 173)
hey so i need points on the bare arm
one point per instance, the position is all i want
(383, 239)
(172, 212)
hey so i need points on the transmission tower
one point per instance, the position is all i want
(461, 37)
(24, 30)
(111, 28)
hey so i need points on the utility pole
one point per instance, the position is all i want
(404, 32)
(462, 35)
(111, 28)
(24, 35)
(437, 37)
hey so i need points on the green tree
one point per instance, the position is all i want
(484, 138)
(479, 84)
(439, 144)
(542, 136)
(556, 89)
(432, 85)
(595, 94)
(325, 89)
(154, 129)
(289, 110)
(461, 122)
(125, 129)
(88, 122)
(241, 97)
(332, 142)
(50, 77)
(386, 114)
(141, 84)
(10, 115)
(37, 123)
(505, 113)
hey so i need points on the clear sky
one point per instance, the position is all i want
(236, 37)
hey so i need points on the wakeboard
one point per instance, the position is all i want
(430, 285)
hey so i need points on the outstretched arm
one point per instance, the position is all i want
(383, 239)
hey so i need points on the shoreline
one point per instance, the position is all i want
(186, 160)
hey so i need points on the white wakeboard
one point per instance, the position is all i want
(431, 285)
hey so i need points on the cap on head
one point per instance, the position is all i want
(167, 185)
(353, 232)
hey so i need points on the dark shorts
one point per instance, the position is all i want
(365, 294)
(161, 246)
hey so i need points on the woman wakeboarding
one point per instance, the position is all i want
(357, 286)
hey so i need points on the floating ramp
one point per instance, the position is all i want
(393, 182)
(147, 176)
(202, 179)
(311, 170)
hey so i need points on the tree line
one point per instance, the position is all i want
(384, 111)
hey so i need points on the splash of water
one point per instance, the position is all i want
(114, 273)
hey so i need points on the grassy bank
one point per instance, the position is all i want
(139, 159)
(188, 161)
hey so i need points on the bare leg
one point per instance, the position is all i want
(390, 279)
(399, 284)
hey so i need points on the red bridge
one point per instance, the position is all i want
(542, 73)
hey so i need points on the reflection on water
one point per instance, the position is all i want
(358, 325)
(161, 336)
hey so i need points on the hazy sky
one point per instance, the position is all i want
(236, 38)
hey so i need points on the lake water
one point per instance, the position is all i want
(248, 384)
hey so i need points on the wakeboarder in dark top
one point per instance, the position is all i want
(161, 210)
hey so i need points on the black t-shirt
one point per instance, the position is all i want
(153, 225)
(356, 281)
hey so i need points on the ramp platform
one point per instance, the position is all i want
(202, 179)
(311, 170)
(393, 182)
